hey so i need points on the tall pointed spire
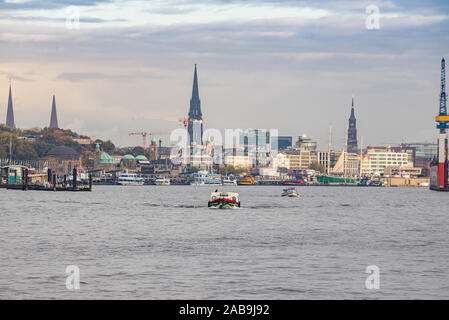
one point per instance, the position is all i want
(10, 114)
(54, 115)
(352, 131)
(352, 117)
(195, 103)
(195, 126)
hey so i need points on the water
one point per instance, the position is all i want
(156, 242)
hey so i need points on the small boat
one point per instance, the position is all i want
(130, 179)
(246, 180)
(290, 192)
(162, 182)
(224, 200)
(229, 182)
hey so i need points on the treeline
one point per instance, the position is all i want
(32, 144)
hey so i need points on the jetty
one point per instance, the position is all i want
(16, 177)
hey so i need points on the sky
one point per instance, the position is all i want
(287, 65)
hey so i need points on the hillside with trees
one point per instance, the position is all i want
(32, 144)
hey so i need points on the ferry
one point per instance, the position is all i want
(289, 192)
(204, 177)
(246, 180)
(295, 182)
(224, 200)
(162, 182)
(130, 179)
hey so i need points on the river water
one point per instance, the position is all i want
(162, 242)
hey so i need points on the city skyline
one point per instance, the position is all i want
(301, 87)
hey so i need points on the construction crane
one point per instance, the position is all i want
(144, 136)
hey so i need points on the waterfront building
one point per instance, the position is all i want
(195, 117)
(237, 161)
(365, 163)
(352, 131)
(305, 143)
(425, 152)
(54, 115)
(129, 162)
(402, 171)
(348, 164)
(307, 158)
(282, 161)
(83, 141)
(154, 150)
(257, 146)
(62, 160)
(201, 161)
(411, 151)
(382, 158)
(323, 158)
(10, 112)
(284, 142)
(106, 162)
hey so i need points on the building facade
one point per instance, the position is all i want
(382, 158)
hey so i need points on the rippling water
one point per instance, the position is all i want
(156, 242)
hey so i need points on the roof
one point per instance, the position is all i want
(64, 153)
(105, 158)
(128, 157)
(141, 157)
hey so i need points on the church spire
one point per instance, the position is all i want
(352, 109)
(195, 103)
(195, 118)
(54, 115)
(10, 114)
(352, 131)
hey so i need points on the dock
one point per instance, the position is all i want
(47, 182)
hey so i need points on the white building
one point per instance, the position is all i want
(380, 159)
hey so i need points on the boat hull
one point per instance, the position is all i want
(223, 204)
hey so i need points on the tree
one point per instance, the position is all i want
(229, 169)
(317, 167)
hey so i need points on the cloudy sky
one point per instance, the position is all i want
(290, 65)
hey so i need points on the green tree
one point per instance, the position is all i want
(317, 167)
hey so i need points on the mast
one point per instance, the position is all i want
(345, 153)
(361, 155)
(329, 150)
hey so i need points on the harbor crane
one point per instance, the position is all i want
(439, 167)
(145, 134)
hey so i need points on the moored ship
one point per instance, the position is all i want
(162, 182)
(204, 177)
(246, 180)
(130, 179)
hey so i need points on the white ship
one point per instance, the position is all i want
(205, 178)
(162, 182)
(228, 182)
(130, 179)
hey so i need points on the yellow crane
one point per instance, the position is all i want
(145, 134)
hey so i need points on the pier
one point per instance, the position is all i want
(19, 178)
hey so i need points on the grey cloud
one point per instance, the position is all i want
(85, 76)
